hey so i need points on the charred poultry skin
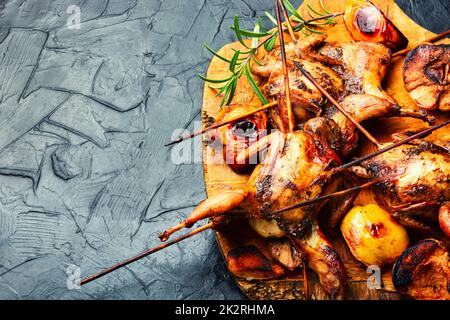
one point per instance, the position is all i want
(423, 271)
(416, 182)
(426, 74)
(366, 22)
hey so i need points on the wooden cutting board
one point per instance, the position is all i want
(219, 177)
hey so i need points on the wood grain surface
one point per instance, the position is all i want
(219, 176)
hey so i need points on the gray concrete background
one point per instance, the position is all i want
(84, 179)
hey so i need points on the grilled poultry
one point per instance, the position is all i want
(307, 101)
(293, 171)
(362, 65)
(415, 182)
(341, 68)
(426, 74)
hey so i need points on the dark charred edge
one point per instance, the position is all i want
(338, 269)
(410, 259)
(240, 254)
(412, 54)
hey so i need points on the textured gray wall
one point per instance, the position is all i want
(84, 113)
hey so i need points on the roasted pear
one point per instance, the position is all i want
(423, 271)
(366, 22)
(373, 236)
(426, 76)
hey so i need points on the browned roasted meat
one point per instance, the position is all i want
(415, 182)
(362, 107)
(250, 263)
(423, 271)
(362, 65)
(426, 74)
(341, 68)
(271, 61)
(366, 22)
(307, 101)
(294, 170)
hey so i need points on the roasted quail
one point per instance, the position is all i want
(415, 182)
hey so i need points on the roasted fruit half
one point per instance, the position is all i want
(239, 135)
(426, 76)
(373, 236)
(423, 271)
(366, 22)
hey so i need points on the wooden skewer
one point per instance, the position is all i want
(305, 281)
(328, 196)
(288, 21)
(222, 123)
(417, 135)
(336, 104)
(432, 39)
(290, 114)
(144, 254)
(359, 160)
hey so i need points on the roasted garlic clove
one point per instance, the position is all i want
(426, 74)
(373, 236)
(423, 271)
(366, 22)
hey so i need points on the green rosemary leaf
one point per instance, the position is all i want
(291, 9)
(234, 60)
(243, 52)
(231, 91)
(237, 30)
(312, 10)
(254, 85)
(300, 26)
(323, 7)
(305, 33)
(251, 34)
(216, 54)
(270, 43)
(312, 30)
(271, 17)
(214, 80)
(255, 39)
(257, 61)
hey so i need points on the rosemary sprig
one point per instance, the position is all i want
(239, 64)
